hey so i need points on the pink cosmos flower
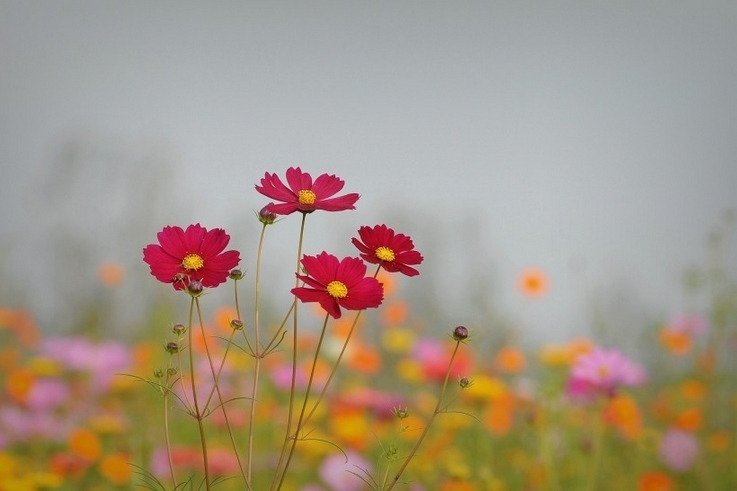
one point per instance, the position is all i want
(335, 284)
(603, 371)
(304, 195)
(339, 471)
(679, 449)
(394, 252)
(193, 254)
(693, 324)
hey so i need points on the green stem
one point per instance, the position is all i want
(197, 414)
(337, 361)
(257, 356)
(294, 361)
(429, 423)
(300, 420)
(597, 449)
(216, 386)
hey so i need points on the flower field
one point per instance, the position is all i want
(354, 389)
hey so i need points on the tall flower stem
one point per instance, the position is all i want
(430, 421)
(216, 385)
(257, 357)
(294, 359)
(197, 414)
(167, 435)
(337, 361)
(300, 420)
(597, 449)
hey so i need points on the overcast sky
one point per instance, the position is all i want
(596, 140)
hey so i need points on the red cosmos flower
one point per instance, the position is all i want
(394, 252)
(304, 195)
(338, 284)
(192, 254)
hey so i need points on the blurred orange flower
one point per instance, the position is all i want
(693, 390)
(21, 323)
(510, 359)
(533, 282)
(115, 468)
(655, 481)
(85, 444)
(394, 313)
(677, 342)
(623, 413)
(689, 419)
(363, 358)
(110, 274)
(499, 415)
(718, 441)
(457, 485)
(18, 384)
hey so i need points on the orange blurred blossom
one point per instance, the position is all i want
(533, 282)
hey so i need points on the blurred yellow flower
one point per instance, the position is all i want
(486, 388)
(398, 339)
(44, 367)
(410, 371)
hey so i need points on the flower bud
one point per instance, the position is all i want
(195, 288)
(400, 412)
(236, 324)
(236, 274)
(265, 216)
(171, 347)
(465, 383)
(178, 329)
(460, 333)
(158, 373)
(171, 371)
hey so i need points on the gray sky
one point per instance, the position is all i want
(561, 134)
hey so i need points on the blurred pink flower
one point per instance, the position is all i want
(21, 425)
(679, 449)
(47, 393)
(603, 372)
(434, 357)
(688, 323)
(339, 471)
(103, 361)
(379, 403)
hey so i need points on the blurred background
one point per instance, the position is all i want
(595, 142)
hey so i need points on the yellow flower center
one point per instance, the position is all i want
(385, 254)
(603, 371)
(306, 197)
(192, 262)
(337, 289)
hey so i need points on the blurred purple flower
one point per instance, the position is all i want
(603, 372)
(341, 472)
(679, 449)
